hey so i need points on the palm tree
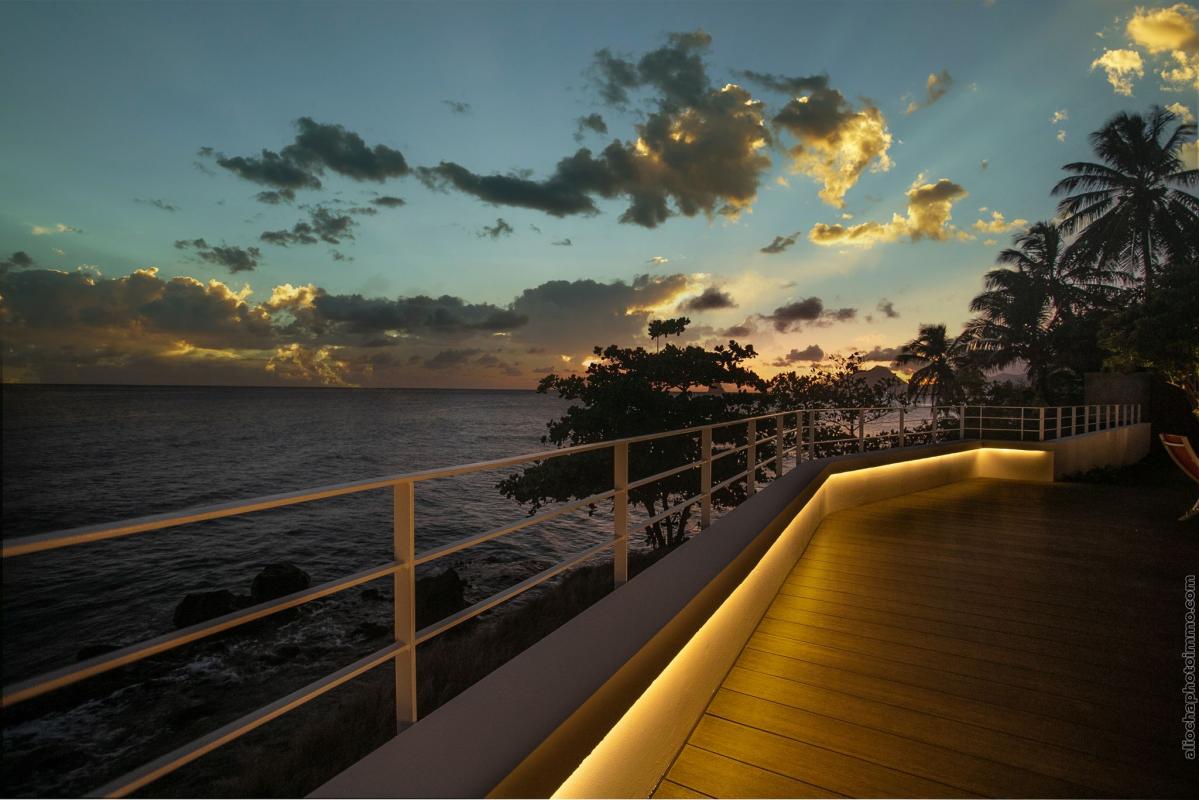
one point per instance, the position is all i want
(1039, 253)
(941, 358)
(1017, 321)
(1129, 211)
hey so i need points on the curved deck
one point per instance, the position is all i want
(984, 638)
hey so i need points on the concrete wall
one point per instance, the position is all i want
(1114, 447)
(599, 707)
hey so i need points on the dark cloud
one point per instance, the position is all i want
(236, 259)
(387, 201)
(739, 331)
(710, 300)
(698, 152)
(450, 358)
(340, 256)
(590, 122)
(562, 243)
(812, 352)
(457, 107)
(882, 354)
(500, 228)
(18, 260)
(808, 312)
(888, 308)
(784, 84)
(780, 244)
(362, 211)
(935, 88)
(319, 313)
(158, 203)
(322, 225)
(317, 147)
(276, 197)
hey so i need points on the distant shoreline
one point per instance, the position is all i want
(262, 386)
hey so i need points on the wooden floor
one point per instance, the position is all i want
(986, 638)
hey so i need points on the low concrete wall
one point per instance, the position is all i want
(600, 706)
(1114, 447)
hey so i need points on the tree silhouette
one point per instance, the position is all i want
(939, 358)
(1128, 212)
(667, 327)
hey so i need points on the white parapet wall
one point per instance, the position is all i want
(600, 707)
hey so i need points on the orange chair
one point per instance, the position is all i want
(1180, 450)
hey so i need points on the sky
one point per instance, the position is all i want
(476, 194)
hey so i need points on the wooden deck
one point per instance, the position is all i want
(986, 638)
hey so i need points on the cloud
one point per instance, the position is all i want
(1172, 32)
(881, 354)
(935, 88)
(457, 107)
(812, 352)
(236, 259)
(807, 312)
(1120, 66)
(322, 225)
(887, 308)
(275, 197)
(779, 244)
(18, 260)
(591, 122)
(698, 152)
(998, 224)
(930, 208)
(657, 260)
(157, 203)
(563, 243)
(1181, 111)
(834, 142)
(387, 201)
(982, 165)
(317, 148)
(1061, 115)
(447, 359)
(500, 228)
(47, 230)
(710, 300)
(1061, 136)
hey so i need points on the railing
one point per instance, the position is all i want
(805, 434)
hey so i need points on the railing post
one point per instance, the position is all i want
(861, 430)
(705, 477)
(980, 422)
(1041, 424)
(811, 434)
(778, 446)
(620, 513)
(1058, 412)
(902, 442)
(798, 437)
(751, 456)
(1022, 423)
(962, 423)
(1109, 416)
(404, 600)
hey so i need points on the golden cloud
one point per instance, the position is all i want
(998, 224)
(929, 213)
(1171, 32)
(1121, 66)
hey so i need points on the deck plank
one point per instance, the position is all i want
(992, 638)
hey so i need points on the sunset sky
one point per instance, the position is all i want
(473, 194)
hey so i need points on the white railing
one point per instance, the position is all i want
(810, 434)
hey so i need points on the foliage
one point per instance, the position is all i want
(1160, 331)
(667, 327)
(628, 392)
(939, 360)
(1130, 211)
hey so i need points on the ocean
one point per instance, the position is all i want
(79, 455)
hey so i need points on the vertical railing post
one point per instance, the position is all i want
(1109, 416)
(861, 430)
(962, 423)
(1022, 423)
(980, 421)
(705, 476)
(798, 437)
(404, 600)
(811, 434)
(1073, 420)
(1058, 412)
(778, 446)
(620, 513)
(902, 442)
(751, 455)
(1041, 424)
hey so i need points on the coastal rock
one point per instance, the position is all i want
(438, 596)
(200, 606)
(277, 580)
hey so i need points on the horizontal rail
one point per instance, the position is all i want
(438, 628)
(672, 510)
(665, 474)
(742, 474)
(50, 681)
(729, 452)
(462, 544)
(177, 758)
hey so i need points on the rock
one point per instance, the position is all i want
(93, 650)
(200, 606)
(277, 580)
(438, 596)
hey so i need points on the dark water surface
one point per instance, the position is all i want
(83, 455)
